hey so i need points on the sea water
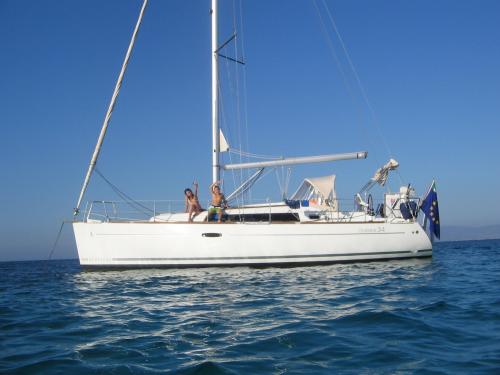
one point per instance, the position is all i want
(435, 315)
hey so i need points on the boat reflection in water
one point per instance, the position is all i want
(244, 299)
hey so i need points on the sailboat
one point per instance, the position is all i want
(308, 227)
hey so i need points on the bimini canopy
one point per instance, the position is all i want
(318, 191)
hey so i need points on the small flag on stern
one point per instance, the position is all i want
(430, 208)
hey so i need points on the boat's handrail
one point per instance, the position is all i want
(344, 210)
(137, 210)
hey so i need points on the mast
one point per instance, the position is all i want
(111, 106)
(215, 98)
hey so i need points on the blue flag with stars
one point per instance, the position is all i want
(430, 208)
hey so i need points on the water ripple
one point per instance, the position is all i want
(439, 315)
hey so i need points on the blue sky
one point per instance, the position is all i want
(430, 70)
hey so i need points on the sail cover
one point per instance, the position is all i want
(382, 173)
(318, 190)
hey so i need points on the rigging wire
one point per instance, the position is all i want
(130, 201)
(279, 182)
(283, 178)
(254, 156)
(343, 74)
(244, 89)
(237, 91)
(234, 95)
(358, 80)
(224, 123)
(288, 178)
(360, 85)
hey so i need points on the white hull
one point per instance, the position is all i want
(157, 244)
(305, 229)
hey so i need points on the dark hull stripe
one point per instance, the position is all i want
(250, 264)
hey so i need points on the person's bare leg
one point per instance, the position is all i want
(196, 213)
(190, 214)
(219, 213)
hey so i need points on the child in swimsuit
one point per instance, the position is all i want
(192, 204)
(218, 201)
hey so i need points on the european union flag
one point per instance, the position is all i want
(430, 208)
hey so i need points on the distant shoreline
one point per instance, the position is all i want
(473, 240)
(463, 233)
